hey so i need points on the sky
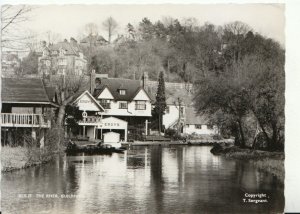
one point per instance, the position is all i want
(68, 20)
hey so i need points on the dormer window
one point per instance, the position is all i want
(122, 91)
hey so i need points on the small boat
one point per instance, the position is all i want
(97, 148)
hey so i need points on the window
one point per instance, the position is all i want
(210, 127)
(167, 109)
(140, 105)
(123, 105)
(105, 103)
(122, 91)
(62, 62)
(197, 126)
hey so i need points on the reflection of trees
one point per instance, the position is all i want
(157, 182)
(180, 165)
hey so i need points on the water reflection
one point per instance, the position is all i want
(142, 180)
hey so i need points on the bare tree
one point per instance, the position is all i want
(12, 36)
(91, 28)
(110, 25)
(53, 37)
(68, 87)
(237, 28)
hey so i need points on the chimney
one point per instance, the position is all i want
(73, 41)
(44, 44)
(144, 79)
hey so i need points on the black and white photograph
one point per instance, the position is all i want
(143, 108)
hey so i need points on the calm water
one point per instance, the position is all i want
(184, 179)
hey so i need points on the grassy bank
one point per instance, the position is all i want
(13, 158)
(272, 162)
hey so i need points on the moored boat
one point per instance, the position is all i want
(97, 148)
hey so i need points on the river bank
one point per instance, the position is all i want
(272, 162)
(15, 158)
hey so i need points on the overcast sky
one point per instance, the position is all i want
(68, 20)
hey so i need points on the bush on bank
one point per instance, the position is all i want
(19, 157)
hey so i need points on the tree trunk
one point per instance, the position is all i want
(243, 144)
(274, 136)
(62, 109)
(159, 124)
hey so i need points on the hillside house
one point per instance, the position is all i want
(61, 58)
(25, 106)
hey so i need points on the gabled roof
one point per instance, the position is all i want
(89, 94)
(24, 90)
(71, 49)
(94, 39)
(132, 87)
(185, 97)
(193, 118)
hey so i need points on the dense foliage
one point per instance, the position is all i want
(160, 103)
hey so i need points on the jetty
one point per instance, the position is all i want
(199, 142)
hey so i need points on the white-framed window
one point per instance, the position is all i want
(47, 62)
(198, 126)
(210, 127)
(123, 105)
(61, 52)
(105, 103)
(122, 91)
(62, 62)
(61, 71)
(140, 105)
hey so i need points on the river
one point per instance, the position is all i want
(179, 179)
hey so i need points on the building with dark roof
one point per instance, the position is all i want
(180, 112)
(197, 124)
(120, 100)
(93, 41)
(64, 57)
(25, 102)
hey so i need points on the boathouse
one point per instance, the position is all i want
(95, 124)
(114, 105)
(26, 106)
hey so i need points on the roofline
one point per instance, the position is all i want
(115, 118)
(46, 103)
(86, 91)
(141, 88)
(100, 92)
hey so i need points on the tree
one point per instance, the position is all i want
(12, 36)
(146, 29)
(29, 64)
(160, 104)
(68, 87)
(91, 29)
(131, 31)
(110, 25)
(73, 115)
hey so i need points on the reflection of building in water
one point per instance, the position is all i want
(138, 159)
(157, 181)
